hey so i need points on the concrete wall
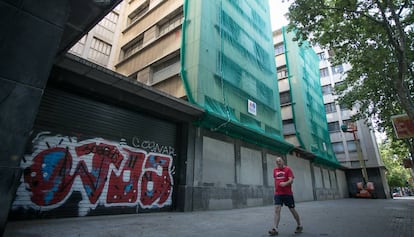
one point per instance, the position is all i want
(302, 185)
(318, 177)
(227, 174)
(30, 39)
(327, 186)
(251, 167)
(342, 184)
(218, 163)
(271, 163)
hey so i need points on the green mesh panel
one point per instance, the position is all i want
(307, 100)
(227, 60)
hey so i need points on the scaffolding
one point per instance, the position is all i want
(228, 69)
(307, 100)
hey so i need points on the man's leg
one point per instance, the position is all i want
(295, 215)
(277, 215)
(274, 231)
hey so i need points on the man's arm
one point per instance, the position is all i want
(290, 181)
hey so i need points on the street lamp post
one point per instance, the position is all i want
(353, 130)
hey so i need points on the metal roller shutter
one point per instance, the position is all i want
(91, 158)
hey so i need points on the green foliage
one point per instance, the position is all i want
(392, 157)
(376, 38)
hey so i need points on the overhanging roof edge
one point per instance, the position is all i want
(77, 65)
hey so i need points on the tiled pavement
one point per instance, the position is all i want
(333, 218)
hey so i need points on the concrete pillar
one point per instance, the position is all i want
(30, 35)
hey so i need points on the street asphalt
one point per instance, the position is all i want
(333, 218)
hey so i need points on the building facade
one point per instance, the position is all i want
(217, 55)
(354, 148)
(98, 45)
(357, 146)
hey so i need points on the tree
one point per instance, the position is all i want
(377, 39)
(392, 156)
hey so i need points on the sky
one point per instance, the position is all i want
(277, 10)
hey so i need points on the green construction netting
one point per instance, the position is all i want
(307, 101)
(228, 68)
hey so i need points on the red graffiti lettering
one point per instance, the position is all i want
(140, 179)
(124, 188)
(48, 178)
(104, 155)
(156, 181)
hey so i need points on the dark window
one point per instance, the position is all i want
(326, 90)
(333, 127)
(132, 47)
(139, 12)
(330, 108)
(338, 69)
(285, 98)
(351, 146)
(288, 127)
(324, 72)
(338, 147)
(322, 56)
(279, 49)
(282, 73)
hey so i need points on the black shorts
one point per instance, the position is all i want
(286, 200)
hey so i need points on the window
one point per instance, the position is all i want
(288, 127)
(339, 84)
(106, 27)
(110, 21)
(99, 51)
(338, 69)
(171, 22)
(324, 72)
(322, 56)
(343, 107)
(326, 90)
(338, 147)
(139, 12)
(282, 73)
(348, 122)
(351, 146)
(132, 47)
(330, 108)
(279, 49)
(285, 97)
(166, 68)
(79, 46)
(333, 127)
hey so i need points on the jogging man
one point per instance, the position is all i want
(283, 176)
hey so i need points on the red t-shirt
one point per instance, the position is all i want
(282, 175)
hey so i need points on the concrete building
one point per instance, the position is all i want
(344, 145)
(98, 45)
(190, 120)
(304, 122)
(357, 147)
(150, 51)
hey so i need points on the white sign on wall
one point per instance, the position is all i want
(251, 107)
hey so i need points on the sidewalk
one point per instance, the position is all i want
(334, 218)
